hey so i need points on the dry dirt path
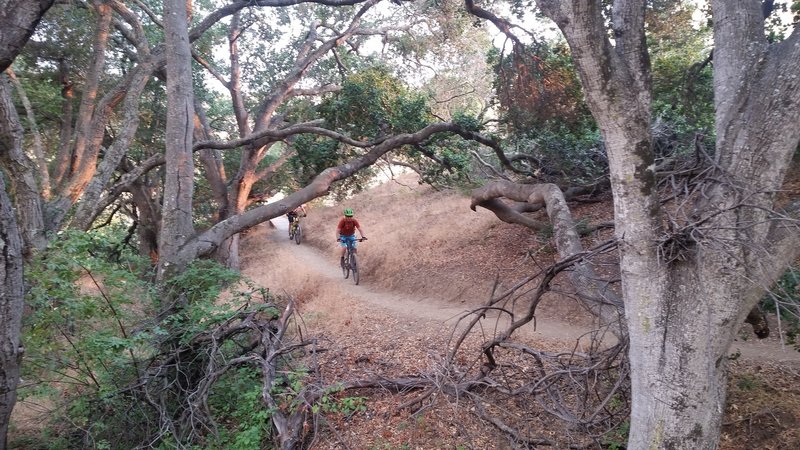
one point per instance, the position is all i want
(322, 267)
(316, 274)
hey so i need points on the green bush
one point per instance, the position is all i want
(90, 335)
(784, 301)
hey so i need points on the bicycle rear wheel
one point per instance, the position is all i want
(354, 267)
(298, 234)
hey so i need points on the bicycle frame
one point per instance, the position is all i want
(349, 263)
(295, 223)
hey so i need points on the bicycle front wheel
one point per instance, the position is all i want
(298, 235)
(354, 268)
(346, 265)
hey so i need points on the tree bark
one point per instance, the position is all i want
(176, 223)
(11, 282)
(38, 147)
(595, 293)
(11, 303)
(18, 20)
(61, 163)
(89, 206)
(84, 129)
(22, 172)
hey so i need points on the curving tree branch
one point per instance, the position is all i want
(596, 294)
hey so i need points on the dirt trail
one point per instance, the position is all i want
(320, 279)
(322, 269)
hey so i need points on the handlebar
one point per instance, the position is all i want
(357, 239)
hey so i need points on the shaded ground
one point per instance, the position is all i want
(426, 264)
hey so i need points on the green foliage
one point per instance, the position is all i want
(86, 345)
(237, 405)
(784, 300)
(84, 294)
(202, 281)
(572, 154)
(467, 121)
(372, 104)
(617, 439)
(747, 382)
(683, 103)
(785, 15)
(544, 116)
(330, 403)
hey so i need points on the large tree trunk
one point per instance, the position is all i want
(683, 311)
(18, 19)
(176, 223)
(89, 205)
(11, 302)
(11, 283)
(84, 130)
(61, 163)
(21, 171)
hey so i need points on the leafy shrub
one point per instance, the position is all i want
(784, 301)
(90, 338)
(236, 405)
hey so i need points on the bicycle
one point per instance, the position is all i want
(349, 263)
(295, 230)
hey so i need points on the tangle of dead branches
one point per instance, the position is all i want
(585, 388)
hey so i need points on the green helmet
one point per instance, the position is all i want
(348, 212)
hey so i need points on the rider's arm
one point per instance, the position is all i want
(358, 227)
(339, 229)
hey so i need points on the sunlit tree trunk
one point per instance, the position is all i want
(88, 208)
(61, 163)
(84, 130)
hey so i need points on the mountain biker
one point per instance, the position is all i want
(346, 231)
(292, 215)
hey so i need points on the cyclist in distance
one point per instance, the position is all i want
(292, 215)
(346, 231)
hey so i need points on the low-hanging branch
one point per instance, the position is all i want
(281, 134)
(598, 295)
(209, 240)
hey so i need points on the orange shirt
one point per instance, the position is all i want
(347, 226)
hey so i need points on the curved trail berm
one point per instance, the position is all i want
(314, 277)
